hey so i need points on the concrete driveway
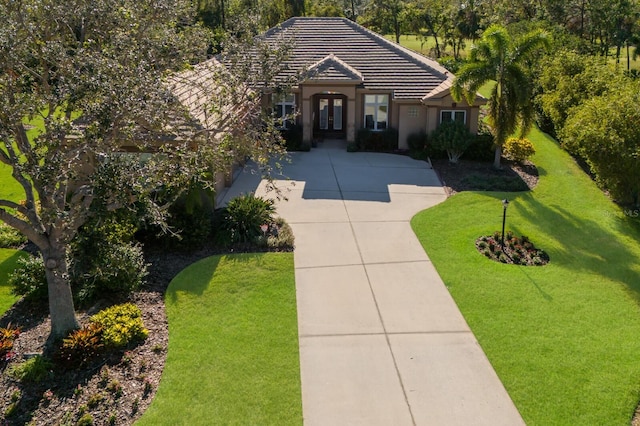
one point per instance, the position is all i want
(381, 340)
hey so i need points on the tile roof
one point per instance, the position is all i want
(383, 65)
(334, 69)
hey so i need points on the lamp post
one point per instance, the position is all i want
(505, 204)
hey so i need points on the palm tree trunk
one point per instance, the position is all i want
(496, 158)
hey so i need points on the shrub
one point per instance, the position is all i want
(29, 279)
(452, 137)
(352, 147)
(7, 336)
(121, 324)
(419, 147)
(192, 229)
(33, 370)
(188, 222)
(293, 138)
(85, 420)
(518, 149)
(417, 141)
(482, 148)
(104, 259)
(81, 346)
(278, 236)
(377, 141)
(11, 410)
(10, 237)
(115, 388)
(115, 269)
(240, 221)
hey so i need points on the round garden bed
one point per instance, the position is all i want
(516, 250)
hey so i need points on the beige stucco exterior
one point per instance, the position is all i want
(407, 117)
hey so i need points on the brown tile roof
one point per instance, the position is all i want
(334, 69)
(384, 66)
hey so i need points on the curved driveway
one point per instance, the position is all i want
(381, 340)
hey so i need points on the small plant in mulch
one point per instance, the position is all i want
(516, 250)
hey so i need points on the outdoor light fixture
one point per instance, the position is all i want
(505, 204)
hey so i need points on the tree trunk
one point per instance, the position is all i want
(63, 315)
(496, 158)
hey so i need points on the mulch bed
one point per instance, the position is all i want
(117, 387)
(479, 176)
(512, 250)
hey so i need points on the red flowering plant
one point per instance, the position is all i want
(7, 336)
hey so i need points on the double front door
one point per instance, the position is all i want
(330, 113)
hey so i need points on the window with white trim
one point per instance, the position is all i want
(376, 112)
(459, 115)
(284, 110)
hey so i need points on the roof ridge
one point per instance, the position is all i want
(407, 53)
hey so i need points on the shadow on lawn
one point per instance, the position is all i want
(195, 278)
(583, 243)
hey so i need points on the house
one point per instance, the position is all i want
(355, 79)
(358, 79)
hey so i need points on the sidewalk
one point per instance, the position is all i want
(381, 340)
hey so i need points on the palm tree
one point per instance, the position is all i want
(498, 57)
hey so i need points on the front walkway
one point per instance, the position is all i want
(381, 340)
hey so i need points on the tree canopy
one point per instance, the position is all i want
(93, 76)
(498, 57)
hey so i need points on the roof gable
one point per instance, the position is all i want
(332, 68)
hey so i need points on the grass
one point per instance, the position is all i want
(11, 190)
(8, 259)
(425, 47)
(564, 337)
(233, 344)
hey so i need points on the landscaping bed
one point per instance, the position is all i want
(115, 388)
(480, 176)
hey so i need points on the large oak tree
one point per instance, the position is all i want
(81, 79)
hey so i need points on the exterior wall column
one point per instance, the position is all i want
(307, 122)
(351, 119)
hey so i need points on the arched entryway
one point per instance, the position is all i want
(329, 115)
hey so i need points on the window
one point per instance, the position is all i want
(284, 110)
(453, 115)
(413, 112)
(376, 109)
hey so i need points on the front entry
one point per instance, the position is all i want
(329, 116)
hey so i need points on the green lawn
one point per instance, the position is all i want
(233, 344)
(8, 259)
(414, 43)
(564, 337)
(11, 190)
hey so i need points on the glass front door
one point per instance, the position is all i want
(330, 113)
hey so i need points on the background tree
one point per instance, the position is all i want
(497, 57)
(604, 131)
(566, 79)
(386, 16)
(432, 18)
(91, 76)
(327, 8)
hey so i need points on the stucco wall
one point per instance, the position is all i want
(411, 119)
